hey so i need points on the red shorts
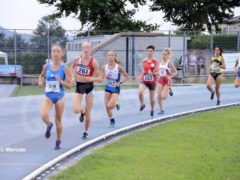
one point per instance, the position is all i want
(164, 81)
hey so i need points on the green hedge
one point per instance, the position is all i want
(227, 42)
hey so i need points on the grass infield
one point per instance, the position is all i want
(200, 146)
(35, 90)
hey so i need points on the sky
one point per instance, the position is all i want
(25, 14)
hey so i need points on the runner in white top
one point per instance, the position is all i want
(112, 72)
(164, 82)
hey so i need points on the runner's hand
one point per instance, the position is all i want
(117, 84)
(40, 84)
(58, 78)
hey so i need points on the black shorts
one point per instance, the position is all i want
(85, 88)
(150, 86)
(215, 75)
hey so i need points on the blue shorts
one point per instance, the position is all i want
(112, 91)
(238, 75)
(54, 97)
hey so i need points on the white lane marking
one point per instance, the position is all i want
(49, 164)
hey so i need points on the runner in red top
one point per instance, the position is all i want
(148, 79)
(84, 66)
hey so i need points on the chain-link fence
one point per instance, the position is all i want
(191, 52)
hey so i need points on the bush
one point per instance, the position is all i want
(227, 42)
(199, 42)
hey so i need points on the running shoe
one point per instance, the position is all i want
(212, 95)
(152, 114)
(170, 92)
(85, 135)
(118, 106)
(218, 103)
(112, 123)
(161, 112)
(48, 131)
(81, 118)
(57, 146)
(142, 107)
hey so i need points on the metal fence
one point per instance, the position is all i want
(191, 52)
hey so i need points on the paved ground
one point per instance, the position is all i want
(21, 127)
(6, 90)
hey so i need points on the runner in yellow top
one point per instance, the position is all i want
(216, 66)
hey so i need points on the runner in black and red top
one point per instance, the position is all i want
(84, 67)
(148, 79)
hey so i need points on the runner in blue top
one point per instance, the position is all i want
(57, 77)
(112, 72)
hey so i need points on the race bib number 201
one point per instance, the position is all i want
(52, 86)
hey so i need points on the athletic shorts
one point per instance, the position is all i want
(54, 96)
(116, 91)
(85, 88)
(238, 75)
(150, 86)
(215, 75)
(164, 81)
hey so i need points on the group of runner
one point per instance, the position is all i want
(56, 76)
(156, 75)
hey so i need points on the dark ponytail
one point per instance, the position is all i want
(221, 50)
(117, 61)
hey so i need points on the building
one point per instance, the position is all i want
(130, 47)
(74, 47)
(231, 26)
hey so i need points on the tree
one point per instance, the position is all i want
(102, 14)
(48, 27)
(21, 44)
(2, 40)
(196, 15)
(7, 43)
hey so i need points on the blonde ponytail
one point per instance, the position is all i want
(169, 51)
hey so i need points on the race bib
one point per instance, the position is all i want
(111, 82)
(215, 66)
(52, 86)
(148, 77)
(83, 70)
(163, 72)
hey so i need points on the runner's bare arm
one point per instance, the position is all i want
(72, 68)
(139, 77)
(223, 66)
(98, 77)
(173, 67)
(42, 76)
(71, 62)
(156, 71)
(68, 82)
(125, 74)
(103, 72)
